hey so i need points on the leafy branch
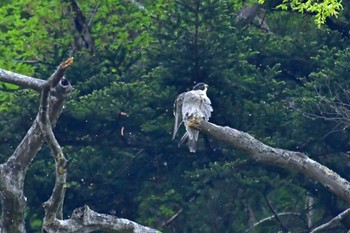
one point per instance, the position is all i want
(321, 9)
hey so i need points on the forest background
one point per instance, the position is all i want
(281, 77)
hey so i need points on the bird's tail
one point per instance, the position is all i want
(192, 145)
(183, 139)
(192, 136)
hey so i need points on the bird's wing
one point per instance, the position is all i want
(196, 104)
(191, 105)
(206, 108)
(178, 113)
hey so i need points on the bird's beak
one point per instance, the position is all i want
(206, 85)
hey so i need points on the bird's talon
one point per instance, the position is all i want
(193, 123)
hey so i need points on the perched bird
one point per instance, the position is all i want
(190, 105)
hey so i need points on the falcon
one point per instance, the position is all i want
(188, 106)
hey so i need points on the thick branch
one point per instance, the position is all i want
(33, 140)
(291, 160)
(57, 76)
(53, 205)
(85, 220)
(21, 80)
(58, 86)
(83, 36)
(247, 14)
(12, 172)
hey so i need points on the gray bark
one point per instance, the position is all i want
(294, 161)
(13, 171)
(85, 220)
(309, 210)
(21, 80)
(252, 14)
(54, 91)
(291, 160)
(334, 221)
(272, 218)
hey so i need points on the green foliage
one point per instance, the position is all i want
(28, 34)
(322, 9)
(116, 127)
(158, 207)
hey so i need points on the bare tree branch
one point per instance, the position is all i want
(334, 221)
(93, 13)
(13, 171)
(271, 218)
(252, 14)
(333, 105)
(21, 80)
(295, 161)
(85, 220)
(170, 220)
(283, 227)
(53, 205)
(83, 37)
(309, 209)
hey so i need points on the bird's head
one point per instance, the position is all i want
(200, 86)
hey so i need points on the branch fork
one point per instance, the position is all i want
(58, 87)
(54, 91)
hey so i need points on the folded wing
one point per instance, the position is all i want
(178, 113)
(188, 106)
(196, 104)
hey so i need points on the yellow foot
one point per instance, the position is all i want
(194, 122)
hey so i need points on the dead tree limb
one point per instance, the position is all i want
(334, 221)
(279, 221)
(13, 171)
(272, 217)
(21, 80)
(54, 91)
(83, 37)
(56, 85)
(85, 220)
(295, 161)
